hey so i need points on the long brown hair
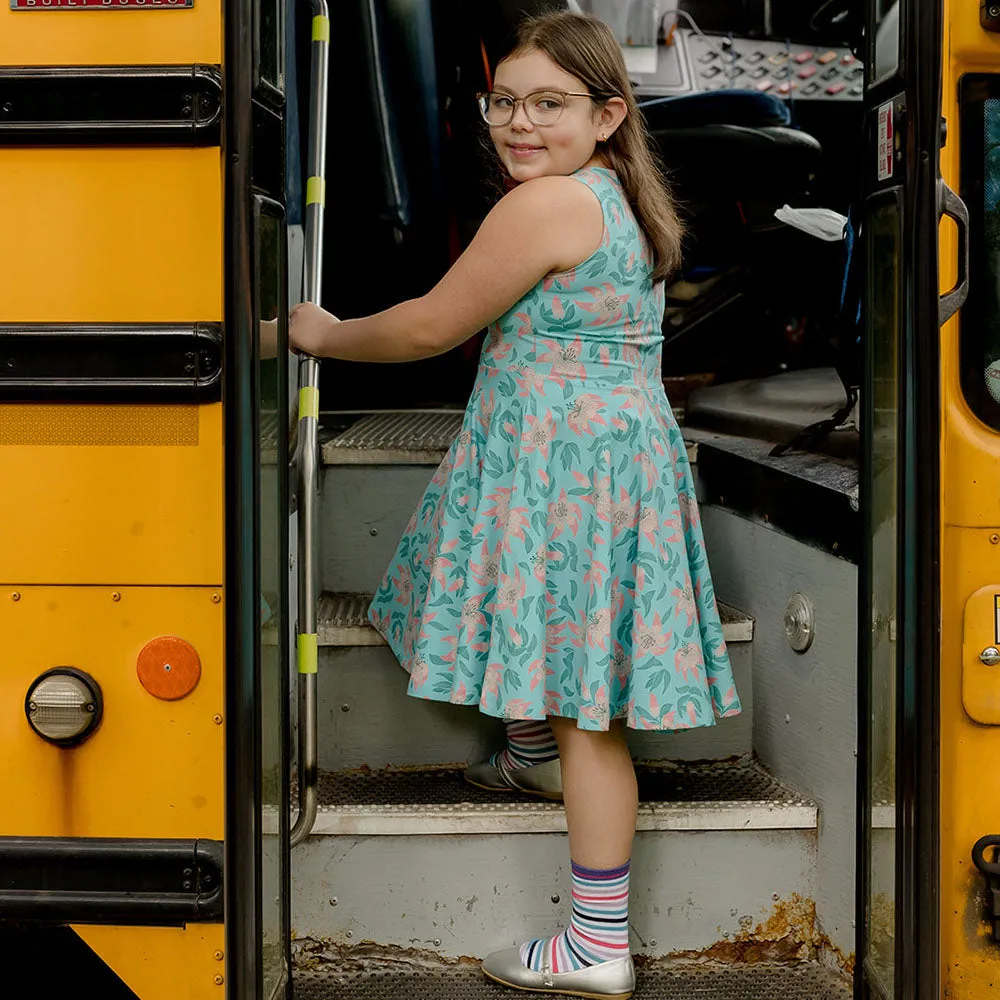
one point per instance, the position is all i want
(585, 47)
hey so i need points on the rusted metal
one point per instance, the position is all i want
(790, 933)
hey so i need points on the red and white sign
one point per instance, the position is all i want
(886, 142)
(100, 4)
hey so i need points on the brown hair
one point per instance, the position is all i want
(585, 47)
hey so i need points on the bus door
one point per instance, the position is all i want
(897, 917)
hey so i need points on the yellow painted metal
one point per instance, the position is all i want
(308, 402)
(980, 681)
(308, 648)
(154, 768)
(320, 28)
(315, 191)
(164, 963)
(111, 235)
(112, 37)
(138, 513)
(970, 558)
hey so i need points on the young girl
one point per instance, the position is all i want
(554, 573)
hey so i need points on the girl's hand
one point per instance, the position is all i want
(309, 329)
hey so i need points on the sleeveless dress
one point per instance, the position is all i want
(555, 565)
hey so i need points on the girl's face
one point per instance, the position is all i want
(528, 150)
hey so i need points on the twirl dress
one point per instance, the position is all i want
(555, 565)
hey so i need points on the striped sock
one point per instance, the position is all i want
(598, 930)
(528, 743)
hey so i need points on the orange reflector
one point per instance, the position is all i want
(169, 668)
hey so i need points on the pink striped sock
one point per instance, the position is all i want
(529, 742)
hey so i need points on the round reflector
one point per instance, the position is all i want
(64, 706)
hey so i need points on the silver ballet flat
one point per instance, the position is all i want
(544, 780)
(614, 980)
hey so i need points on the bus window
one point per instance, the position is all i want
(980, 330)
(884, 55)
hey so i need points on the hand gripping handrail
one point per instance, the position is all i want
(308, 444)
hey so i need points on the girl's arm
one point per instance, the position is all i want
(544, 225)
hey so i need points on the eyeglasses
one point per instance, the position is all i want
(543, 107)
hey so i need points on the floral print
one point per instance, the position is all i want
(555, 565)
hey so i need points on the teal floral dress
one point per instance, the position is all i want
(555, 565)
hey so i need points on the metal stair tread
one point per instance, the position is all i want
(343, 621)
(404, 437)
(368, 980)
(718, 795)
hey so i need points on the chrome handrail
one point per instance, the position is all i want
(307, 651)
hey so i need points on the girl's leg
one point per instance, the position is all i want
(601, 799)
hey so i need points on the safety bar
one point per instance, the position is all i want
(308, 444)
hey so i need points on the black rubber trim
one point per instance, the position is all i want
(124, 363)
(82, 880)
(111, 105)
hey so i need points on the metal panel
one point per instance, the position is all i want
(461, 896)
(805, 714)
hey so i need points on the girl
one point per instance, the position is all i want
(554, 572)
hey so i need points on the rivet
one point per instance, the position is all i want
(373, 532)
(555, 897)
(350, 934)
(994, 539)
(345, 708)
(218, 956)
(186, 885)
(775, 896)
(219, 980)
(437, 942)
(216, 598)
(15, 596)
(733, 913)
(116, 597)
(217, 719)
(333, 900)
(188, 872)
(652, 943)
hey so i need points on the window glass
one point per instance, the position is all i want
(270, 44)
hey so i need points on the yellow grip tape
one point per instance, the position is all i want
(316, 191)
(321, 28)
(308, 653)
(308, 403)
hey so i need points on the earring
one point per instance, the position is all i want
(603, 138)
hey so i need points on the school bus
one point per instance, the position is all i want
(187, 538)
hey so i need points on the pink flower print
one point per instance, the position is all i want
(600, 498)
(496, 347)
(689, 510)
(624, 513)
(440, 477)
(605, 303)
(517, 521)
(565, 360)
(564, 515)
(689, 659)
(631, 396)
(599, 628)
(491, 681)
(411, 525)
(562, 279)
(403, 585)
(485, 571)
(524, 330)
(652, 639)
(487, 404)
(672, 528)
(595, 571)
(558, 310)
(472, 618)
(517, 708)
(649, 470)
(692, 713)
(529, 381)
(538, 564)
(621, 664)
(649, 522)
(684, 598)
(538, 672)
(552, 702)
(459, 695)
(584, 411)
(618, 593)
(598, 711)
(462, 443)
(419, 672)
(510, 592)
(500, 508)
(539, 435)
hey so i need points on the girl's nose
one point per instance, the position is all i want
(521, 119)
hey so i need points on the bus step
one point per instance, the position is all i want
(343, 621)
(674, 796)
(656, 981)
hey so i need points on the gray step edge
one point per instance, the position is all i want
(342, 620)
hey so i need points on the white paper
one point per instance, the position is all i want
(640, 58)
(823, 223)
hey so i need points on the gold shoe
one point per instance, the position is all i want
(614, 980)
